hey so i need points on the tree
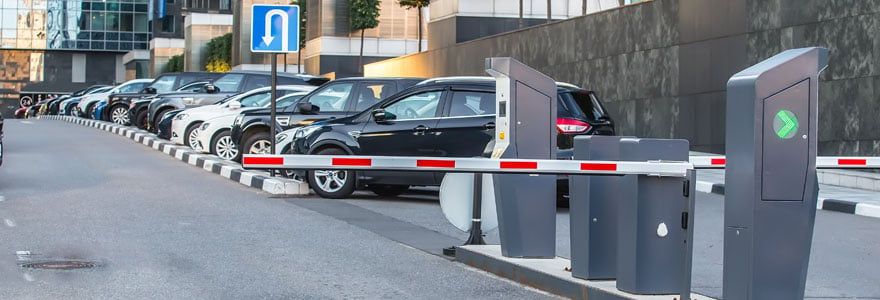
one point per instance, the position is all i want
(363, 15)
(218, 56)
(303, 10)
(417, 4)
(175, 64)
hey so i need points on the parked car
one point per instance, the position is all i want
(52, 106)
(214, 134)
(185, 123)
(229, 84)
(442, 118)
(137, 110)
(66, 106)
(88, 101)
(336, 99)
(20, 112)
(118, 104)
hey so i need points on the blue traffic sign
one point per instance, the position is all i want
(275, 28)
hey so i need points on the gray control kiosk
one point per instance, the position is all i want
(525, 128)
(770, 179)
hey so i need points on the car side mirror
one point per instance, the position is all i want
(380, 115)
(307, 108)
(210, 89)
(148, 90)
(233, 105)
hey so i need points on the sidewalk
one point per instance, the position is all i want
(833, 198)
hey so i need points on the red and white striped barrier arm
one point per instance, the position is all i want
(822, 162)
(465, 165)
(708, 162)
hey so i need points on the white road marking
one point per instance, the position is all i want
(2, 198)
(9, 222)
(28, 277)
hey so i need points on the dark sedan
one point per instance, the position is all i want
(229, 84)
(117, 107)
(52, 106)
(137, 110)
(336, 99)
(441, 118)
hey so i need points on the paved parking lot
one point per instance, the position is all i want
(170, 227)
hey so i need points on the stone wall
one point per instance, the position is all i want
(661, 67)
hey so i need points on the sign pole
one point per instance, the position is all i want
(272, 114)
(476, 237)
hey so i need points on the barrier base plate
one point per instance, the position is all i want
(549, 275)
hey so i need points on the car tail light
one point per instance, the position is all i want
(571, 126)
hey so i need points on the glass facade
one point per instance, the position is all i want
(103, 25)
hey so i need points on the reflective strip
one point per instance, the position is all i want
(852, 162)
(527, 165)
(360, 162)
(718, 161)
(599, 167)
(428, 163)
(263, 160)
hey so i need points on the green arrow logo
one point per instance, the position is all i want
(785, 124)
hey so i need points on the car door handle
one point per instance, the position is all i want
(490, 125)
(421, 129)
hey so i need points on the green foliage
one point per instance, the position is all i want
(414, 3)
(175, 64)
(363, 14)
(218, 54)
(303, 13)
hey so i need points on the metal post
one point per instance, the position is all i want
(687, 223)
(476, 237)
(272, 114)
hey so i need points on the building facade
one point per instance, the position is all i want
(59, 46)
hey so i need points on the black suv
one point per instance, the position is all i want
(137, 110)
(117, 107)
(229, 84)
(441, 118)
(336, 99)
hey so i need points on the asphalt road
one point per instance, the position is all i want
(164, 229)
(161, 229)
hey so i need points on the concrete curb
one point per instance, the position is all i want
(844, 206)
(207, 162)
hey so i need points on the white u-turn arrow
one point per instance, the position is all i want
(285, 23)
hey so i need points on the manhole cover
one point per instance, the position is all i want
(60, 265)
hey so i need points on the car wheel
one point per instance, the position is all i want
(71, 111)
(332, 184)
(191, 135)
(388, 190)
(140, 119)
(259, 143)
(223, 146)
(90, 111)
(119, 115)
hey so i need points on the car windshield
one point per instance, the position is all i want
(100, 90)
(164, 83)
(132, 87)
(192, 86)
(289, 99)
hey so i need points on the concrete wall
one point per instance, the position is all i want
(161, 50)
(661, 67)
(200, 29)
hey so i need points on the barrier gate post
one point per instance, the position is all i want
(593, 202)
(771, 187)
(654, 222)
(525, 121)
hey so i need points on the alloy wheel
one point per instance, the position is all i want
(193, 139)
(120, 115)
(261, 147)
(225, 148)
(330, 180)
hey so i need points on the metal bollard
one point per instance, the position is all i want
(593, 202)
(653, 218)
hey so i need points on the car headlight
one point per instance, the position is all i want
(280, 138)
(204, 126)
(237, 120)
(305, 131)
(181, 116)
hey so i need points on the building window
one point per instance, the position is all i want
(168, 24)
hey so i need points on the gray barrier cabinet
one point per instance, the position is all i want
(525, 128)
(653, 239)
(593, 202)
(770, 179)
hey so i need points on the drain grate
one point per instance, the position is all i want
(60, 265)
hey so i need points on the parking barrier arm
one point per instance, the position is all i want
(466, 165)
(822, 162)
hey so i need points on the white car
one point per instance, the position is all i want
(214, 134)
(89, 101)
(184, 124)
(66, 108)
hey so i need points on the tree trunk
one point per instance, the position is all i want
(622, 2)
(420, 29)
(520, 14)
(299, 61)
(584, 8)
(361, 57)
